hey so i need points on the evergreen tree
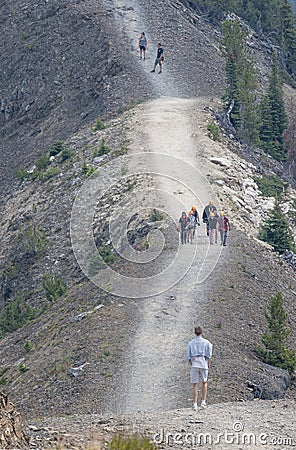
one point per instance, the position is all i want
(273, 115)
(241, 82)
(276, 231)
(275, 351)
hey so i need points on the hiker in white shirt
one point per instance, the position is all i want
(199, 354)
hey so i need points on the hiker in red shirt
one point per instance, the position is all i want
(224, 227)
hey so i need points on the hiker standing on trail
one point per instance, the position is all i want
(223, 227)
(199, 354)
(143, 45)
(206, 213)
(183, 227)
(159, 58)
(212, 224)
(196, 215)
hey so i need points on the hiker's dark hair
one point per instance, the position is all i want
(159, 43)
(198, 331)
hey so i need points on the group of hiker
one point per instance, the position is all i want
(143, 45)
(214, 223)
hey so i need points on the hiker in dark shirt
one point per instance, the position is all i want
(159, 58)
(183, 227)
(206, 213)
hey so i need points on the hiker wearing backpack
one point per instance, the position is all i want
(143, 44)
(196, 215)
(159, 58)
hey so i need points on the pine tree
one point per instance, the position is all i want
(276, 231)
(275, 351)
(241, 82)
(273, 114)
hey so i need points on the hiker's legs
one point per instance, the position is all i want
(183, 237)
(204, 390)
(225, 238)
(195, 392)
(222, 236)
(207, 230)
(212, 235)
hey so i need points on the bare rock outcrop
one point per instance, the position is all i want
(11, 427)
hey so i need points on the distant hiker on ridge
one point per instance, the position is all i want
(143, 45)
(199, 354)
(159, 58)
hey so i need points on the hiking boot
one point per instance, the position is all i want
(160, 71)
(203, 404)
(153, 70)
(194, 406)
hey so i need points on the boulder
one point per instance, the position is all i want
(268, 382)
(221, 162)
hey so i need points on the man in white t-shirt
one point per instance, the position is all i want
(199, 354)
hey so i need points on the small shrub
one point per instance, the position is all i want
(33, 240)
(54, 287)
(131, 443)
(95, 262)
(98, 125)
(90, 171)
(3, 379)
(270, 186)
(27, 346)
(103, 149)
(23, 368)
(22, 174)
(156, 216)
(56, 148)
(16, 314)
(213, 131)
(42, 162)
(65, 154)
(49, 173)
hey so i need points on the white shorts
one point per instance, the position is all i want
(197, 374)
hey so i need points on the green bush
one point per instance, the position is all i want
(54, 287)
(42, 162)
(22, 174)
(98, 125)
(275, 350)
(103, 149)
(156, 216)
(16, 314)
(131, 443)
(214, 131)
(65, 154)
(49, 173)
(270, 186)
(23, 368)
(33, 240)
(95, 262)
(56, 148)
(27, 346)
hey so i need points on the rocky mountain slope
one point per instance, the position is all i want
(88, 331)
